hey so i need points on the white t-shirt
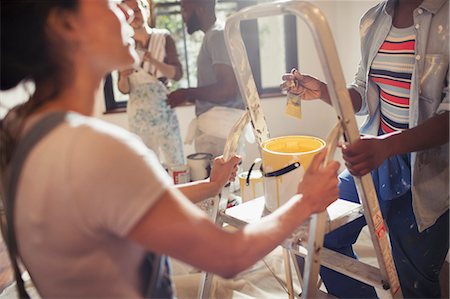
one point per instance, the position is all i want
(81, 190)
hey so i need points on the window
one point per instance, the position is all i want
(271, 44)
(114, 99)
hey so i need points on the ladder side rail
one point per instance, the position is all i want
(221, 200)
(340, 99)
(317, 228)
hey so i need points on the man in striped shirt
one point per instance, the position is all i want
(402, 85)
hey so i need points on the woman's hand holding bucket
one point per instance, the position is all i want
(319, 182)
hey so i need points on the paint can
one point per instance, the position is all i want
(199, 165)
(251, 184)
(180, 174)
(285, 160)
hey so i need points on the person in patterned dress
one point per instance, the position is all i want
(149, 116)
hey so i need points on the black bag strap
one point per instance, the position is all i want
(156, 277)
(26, 144)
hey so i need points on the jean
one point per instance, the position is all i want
(418, 256)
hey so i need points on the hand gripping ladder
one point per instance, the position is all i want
(386, 281)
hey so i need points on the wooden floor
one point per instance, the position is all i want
(6, 274)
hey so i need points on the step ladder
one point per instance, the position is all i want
(384, 278)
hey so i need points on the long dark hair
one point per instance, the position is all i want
(27, 55)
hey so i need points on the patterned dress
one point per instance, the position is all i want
(149, 115)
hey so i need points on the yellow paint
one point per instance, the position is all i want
(278, 153)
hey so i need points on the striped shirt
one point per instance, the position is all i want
(391, 70)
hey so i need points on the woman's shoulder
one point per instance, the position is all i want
(93, 134)
(109, 146)
(94, 126)
(161, 33)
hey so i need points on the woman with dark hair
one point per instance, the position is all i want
(91, 200)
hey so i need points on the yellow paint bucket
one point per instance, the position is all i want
(284, 161)
(251, 184)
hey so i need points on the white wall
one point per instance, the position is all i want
(12, 97)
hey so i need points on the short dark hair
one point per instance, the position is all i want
(208, 4)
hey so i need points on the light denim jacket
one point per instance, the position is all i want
(429, 96)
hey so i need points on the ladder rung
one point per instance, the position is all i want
(350, 267)
(232, 220)
(322, 295)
